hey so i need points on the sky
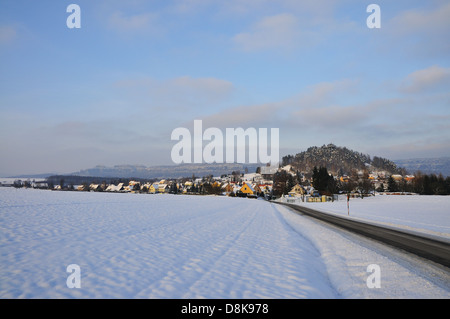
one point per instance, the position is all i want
(112, 91)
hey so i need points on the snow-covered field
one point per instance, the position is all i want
(175, 246)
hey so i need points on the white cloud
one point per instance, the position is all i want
(421, 148)
(306, 8)
(214, 86)
(193, 96)
(319, 114)
(314, 102)
(324, 93)
(188, 6)
(142, 22)
(425, 79)
(279, 31)
(421, 31)
(332, 118)
(413, 21)
(260, 115)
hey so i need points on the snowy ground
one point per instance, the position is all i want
(167, 246)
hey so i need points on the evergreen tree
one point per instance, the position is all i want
(392, 185)
(426, 185)
(280, 183)
(290, 183)
(18, 184)
(333, 187)
(322, 180)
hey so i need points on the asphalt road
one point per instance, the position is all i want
(433, 249)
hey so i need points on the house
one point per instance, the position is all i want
(344, 179)
(134, 185)
(7, 183)
(153, 188)
(248, 189)
(297, 190)
(288, 169)
(94, 187)
(257, 189)
(114, 188)
(265, 188)
(267, 172)
(39, 184)
(227, 188)
(163, 188)
(146, 187)
(236, 188)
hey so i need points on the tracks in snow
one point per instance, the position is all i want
(248, 253)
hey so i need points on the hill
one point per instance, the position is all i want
(339, 161)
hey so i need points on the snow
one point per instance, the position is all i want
(347, 257)
(179, 246)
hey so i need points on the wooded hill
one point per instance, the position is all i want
(339, 161)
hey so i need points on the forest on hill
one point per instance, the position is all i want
(339, 161)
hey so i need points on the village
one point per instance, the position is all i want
(268, 182)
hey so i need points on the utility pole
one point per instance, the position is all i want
(348, 204)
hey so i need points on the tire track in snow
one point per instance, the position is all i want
(207, 247)
(109, 259)
(178, 280)
(194, 290)
(41, 235)
(316, 252)
(156, 255)
(264, 259)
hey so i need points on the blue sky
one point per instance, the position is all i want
(112, 91)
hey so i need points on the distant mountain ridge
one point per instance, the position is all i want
(339, 160)
(166, 171)
(439, 165)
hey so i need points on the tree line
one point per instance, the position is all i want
(283, 182)
(327, 184)
(423, 184)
